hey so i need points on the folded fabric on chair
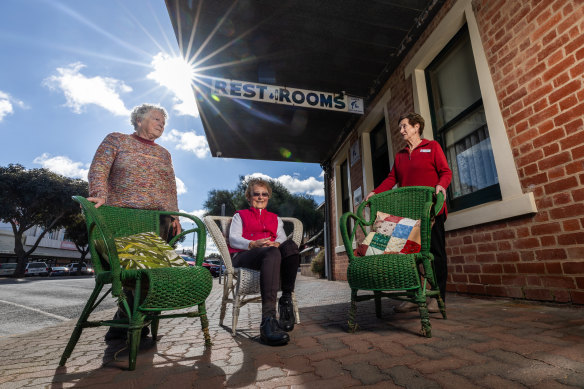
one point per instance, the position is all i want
(145, 250)
(391, 235)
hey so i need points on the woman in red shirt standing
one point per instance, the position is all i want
(257, 241)
(422, 163)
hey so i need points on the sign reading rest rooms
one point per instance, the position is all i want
(284, 95)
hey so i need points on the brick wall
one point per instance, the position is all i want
(535, 51)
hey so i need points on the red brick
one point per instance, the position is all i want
(575, 43)
(487, 247)
(500, 291)
(558, 282)
(569, 115)
(507, 256)
(492, 268)
(547, 240)
(554, 71)
(533, 268)
(571, 225)
(577, 297)
(513, 280)
(538, 294)
(547, 254)
(471, 269)
(507, 234)
(572, 238)
(527, 256)
(554, 268)
(490, 279)
(561, 198)
(561, 185)
(574, 167)
(515, 292)
(476, 289)
(576, 252)
(567, 211)
(473, 279)
(548, 135)
(546, 229)
(461, 278)
(523, 232)
(579, 282)
(526, 243)
(534, 156)
(509, 268)
(573, 267)
(555, 173)
(485, 258)
(578, 152)
(578, 194)
(468, 249)
(533, 280)
(551, 149)
(561, 296)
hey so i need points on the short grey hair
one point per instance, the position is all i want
(141, 111)
(257, 181)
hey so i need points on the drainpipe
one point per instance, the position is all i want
(326, 167)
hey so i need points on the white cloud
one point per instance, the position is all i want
(310, 186)
(63, 165)
(175, 74)
(181, 188)
(81, 91)
(7, 103)
(188, 141)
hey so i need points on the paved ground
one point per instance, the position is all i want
(485, 343)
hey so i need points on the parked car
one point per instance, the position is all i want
(214, 266)
(190, 260)
(7, 269)
(36, 269)
(58, 271)
(79, 269)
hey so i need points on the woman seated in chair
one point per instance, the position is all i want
(257, 241)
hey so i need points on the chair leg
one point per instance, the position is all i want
(226, 289)
(352, 311)
(442, 306)
(134, 336)
(80, 322)
(377, 295)
(205, 324)
(296, 312)
(235, 314)
(424, 315)
(154, 327)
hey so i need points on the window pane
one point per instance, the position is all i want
(454, 82)
(379, 153)
(345, 199)
(470, 155)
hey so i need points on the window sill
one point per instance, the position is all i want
(494, 211)
(341, 249)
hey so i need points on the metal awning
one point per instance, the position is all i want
(338, 46)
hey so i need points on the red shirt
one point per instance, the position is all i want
(426, 166)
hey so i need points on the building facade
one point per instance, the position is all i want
(500, 84)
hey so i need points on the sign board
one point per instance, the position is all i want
(284, 95)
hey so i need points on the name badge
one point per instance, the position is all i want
(425, 151)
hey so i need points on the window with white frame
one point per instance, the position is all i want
(460, 125)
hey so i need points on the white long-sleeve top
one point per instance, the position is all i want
(236, 239)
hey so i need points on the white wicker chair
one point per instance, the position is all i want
(242, 285)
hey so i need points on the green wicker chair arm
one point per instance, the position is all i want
(348, 234)
(96, 226)
(439, 203)
(201, 234)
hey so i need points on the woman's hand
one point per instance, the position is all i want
(99, 201)
(440, 188)
(176, 226)
(266, 242)
(369, 195)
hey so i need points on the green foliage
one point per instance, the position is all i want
(36, 197)
(317, 264)
(282, 203)
(76, 232)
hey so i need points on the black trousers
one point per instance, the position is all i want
(438, 249)
(275, 264)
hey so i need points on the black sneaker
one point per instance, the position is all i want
(286, 310)
(271, 333)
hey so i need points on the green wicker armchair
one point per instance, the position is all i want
(168, 288)
(398, 276)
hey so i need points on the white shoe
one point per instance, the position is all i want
(406, 306)
(433, 306)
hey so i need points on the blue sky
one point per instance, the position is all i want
(71, 72)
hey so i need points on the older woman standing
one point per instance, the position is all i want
(131, 171)
(257, 241)
(422, 163)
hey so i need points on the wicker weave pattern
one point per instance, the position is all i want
(396, 275)
(242, 286)
(163, 288)
(177, 287)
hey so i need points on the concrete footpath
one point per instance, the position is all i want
(484, 343)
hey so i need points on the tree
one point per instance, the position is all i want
(76, 232)
(36, 197)
(282, 202)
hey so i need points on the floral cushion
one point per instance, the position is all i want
(144, 251)
(391, 235)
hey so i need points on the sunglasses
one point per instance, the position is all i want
(263, 194)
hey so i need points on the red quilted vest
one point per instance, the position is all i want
(257, 224)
